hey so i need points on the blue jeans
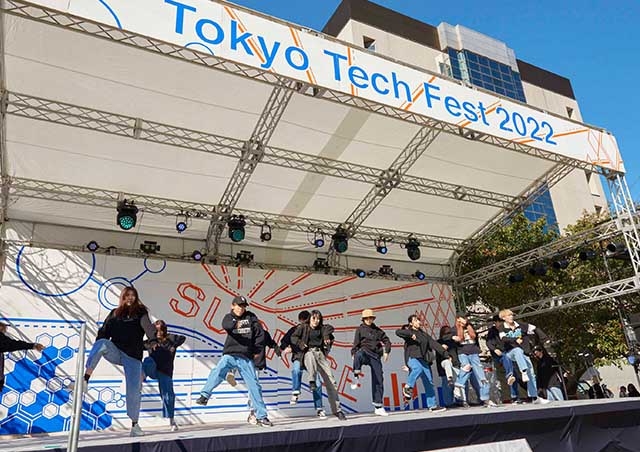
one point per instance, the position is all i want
(420, 368)
(247, 371)
(478, 372)
(296, 384)
(165, 384)
(524, 363)
(132, 371)
(507, 364)
(554, 393)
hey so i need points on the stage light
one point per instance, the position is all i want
(318, 238)
(538, 269)
(616, 247)
(93, 246)
(265, 232)
(127, 214)
(360, 272)
(413, 248)
(418, 274)
(381, 246)
(197, 255)
(386, 270)
(244, 257)
(181, 223)
(340, 240)
(236, 226)
(320, 264)
(516, 278)
(149, 247)
(560, 264)
(587, 255)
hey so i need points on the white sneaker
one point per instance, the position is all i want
(174, 427)
(380, 411)
(489, 404)
(457, 393)
(136, 430)
(540, 401)
(525, 377)
(294, 399)
(252, 418)
(354, 384)
(321, 414)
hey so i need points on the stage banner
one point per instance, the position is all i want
(46, 294)
(240, 35)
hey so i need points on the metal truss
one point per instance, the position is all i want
(4, 192)
(559, 247)
(625, 217)
(48, 16)
(52, 191)
(37, 108)
(252, 154)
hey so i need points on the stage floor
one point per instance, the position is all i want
(585, 425)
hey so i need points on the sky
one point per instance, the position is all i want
(594, 43)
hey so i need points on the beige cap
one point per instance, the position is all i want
(368, 313)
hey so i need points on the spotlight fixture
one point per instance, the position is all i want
(617, 251)
(127, 214)
(149, 247)
(386, 270)
(538, 269)
(381, 246)
(318, 238)
(265, 232)
(197, 255)
(360, 272)
(182, 221)
(92, 246)
(320, 264)
(340, 240)
(587, 255)
(244, 257)
(236, 226)
(560, 264)
(516, 278)
(418, 274)
(413, 248)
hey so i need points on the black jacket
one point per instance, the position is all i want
(422, 347)
(245, 335)
(372, 339)
(300, 338)
(529, 334)
(10, 345)
(494, 342)
(127, 333)
(164, 352)
(260, 359)
(548, 373)
(452, 352)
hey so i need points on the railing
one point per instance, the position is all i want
(78, 390)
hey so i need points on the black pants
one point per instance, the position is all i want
(366, 358)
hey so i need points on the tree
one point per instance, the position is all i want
(593, 327)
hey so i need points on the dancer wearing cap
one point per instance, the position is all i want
(245, 339)
(370, 344)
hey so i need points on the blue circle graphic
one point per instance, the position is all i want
(112, 12)
(45, 294)
(147, 267)
(104, 290)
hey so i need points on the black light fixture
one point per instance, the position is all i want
(413, 248)
(560, 264)
(320, 264)
(360, 272)
(265, 232)
(381, 246)
(587, 255)
(516, 278)
(236, 226)
(149, 247)
(197, 255)
(127, 214)
(418, 274)
(181, 222)
(92, 246)
(617, 251)
(386, 270)
(538, 269)
(244, 257)
(340, 240)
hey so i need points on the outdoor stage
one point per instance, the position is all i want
(585, 426)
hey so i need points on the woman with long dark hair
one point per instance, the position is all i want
(159, 366)
(120, 341)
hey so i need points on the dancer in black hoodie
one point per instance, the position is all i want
(12, 345)
(369, 345)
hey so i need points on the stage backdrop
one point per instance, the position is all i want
(46, 294)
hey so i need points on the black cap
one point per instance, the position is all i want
(496, 318)
(240, 301)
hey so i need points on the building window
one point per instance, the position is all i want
(569, 112)
(369, 43)
(542, 207)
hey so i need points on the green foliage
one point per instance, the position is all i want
(593, 327)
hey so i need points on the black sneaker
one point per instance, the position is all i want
(340, 415)
(202, 400)
(437, 409)
(264, 422)
(407, 392)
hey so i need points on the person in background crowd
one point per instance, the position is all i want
(447, 364)
(420, 352)
(8, 345)
(159, 366)
(623, 392)
(120, 341)
(297, 367)
(370, 344)
(496, 348)
(632, 391)
(314, 340)
(548, 374)
(245, 338)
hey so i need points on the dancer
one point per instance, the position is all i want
(496, 348)
(515, 338)
(549, 376)
(260, 363)
(296, 368)
(469, 356)
(369, 345)
(420, 354)
(245, 337)
(314, 340)
(12, 345)
(447, 364)
(159, 366)
(120, 341)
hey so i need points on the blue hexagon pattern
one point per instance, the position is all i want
(36, 400)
